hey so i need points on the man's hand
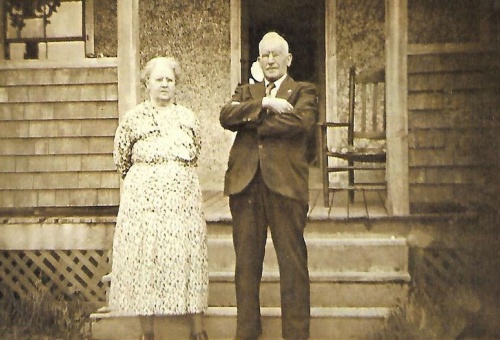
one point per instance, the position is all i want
(277, 105)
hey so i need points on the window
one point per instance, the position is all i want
(44, 29)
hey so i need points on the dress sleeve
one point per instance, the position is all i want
(123, 144)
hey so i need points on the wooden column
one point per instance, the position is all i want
(331, 111)
(3, 26)
(235, 27)
(396, 19)
(89, 26)
(331, 68)
(128, 55)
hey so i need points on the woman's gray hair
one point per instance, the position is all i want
(150, 65)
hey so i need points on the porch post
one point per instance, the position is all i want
(3, 26)
(331, 138)
(128, 55)
(89, 26)
(331, 64)
(396, 18)
(235, 27)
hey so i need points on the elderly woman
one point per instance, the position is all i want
(160, 262)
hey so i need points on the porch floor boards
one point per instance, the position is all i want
(369, 205)
(366, 205)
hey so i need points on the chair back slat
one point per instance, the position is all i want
(374, 135)
(363, 114)
(368, 92)
(375, 107)
(352, 99)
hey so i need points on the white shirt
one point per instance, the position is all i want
(277, 85)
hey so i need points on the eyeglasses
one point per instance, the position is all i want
(273, 54)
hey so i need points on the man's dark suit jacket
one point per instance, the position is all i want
(278, 142)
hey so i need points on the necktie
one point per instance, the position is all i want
(269, 88)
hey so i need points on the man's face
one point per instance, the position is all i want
(274, 59)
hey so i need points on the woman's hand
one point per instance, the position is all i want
(184, 147)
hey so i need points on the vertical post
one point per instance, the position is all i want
(331, 113)
(397, 168)
(89, 26)
(235, 27)
(128, 55)
(3, 25)
(331, 60)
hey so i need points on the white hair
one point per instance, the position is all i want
(274, 36)
(150, 65)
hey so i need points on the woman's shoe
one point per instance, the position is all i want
(199, 336)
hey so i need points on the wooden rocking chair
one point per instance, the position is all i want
(365, 148)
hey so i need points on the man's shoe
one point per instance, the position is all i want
(147, 337)
(200, 336)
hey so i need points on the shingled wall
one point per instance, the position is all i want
(56, 135)
(454, 127)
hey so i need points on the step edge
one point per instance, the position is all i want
(382, 276)
(316, 312)
(334, 240)
(353, 276)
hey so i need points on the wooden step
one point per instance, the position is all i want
(340, 289)
(385, 254)
(220, 323)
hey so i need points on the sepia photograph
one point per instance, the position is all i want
(249, 169)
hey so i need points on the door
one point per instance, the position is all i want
(301, 23)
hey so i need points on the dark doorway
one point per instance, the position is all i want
(300, 22)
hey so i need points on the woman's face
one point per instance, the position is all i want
(161, 84)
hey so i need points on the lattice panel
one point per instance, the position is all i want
(441, 269)
(62, 271)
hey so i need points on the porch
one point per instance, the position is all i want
(356, 276)
(367, 204)
(360, 262)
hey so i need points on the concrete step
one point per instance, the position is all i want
(339, 289)
(326, 254)
(355, 280)
(220, 323)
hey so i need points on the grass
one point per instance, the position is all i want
(42, 316)
(422, 317)
(467, 308)
(461, 299)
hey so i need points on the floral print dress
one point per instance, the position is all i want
(160, 261)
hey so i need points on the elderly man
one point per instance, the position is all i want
(267, 183)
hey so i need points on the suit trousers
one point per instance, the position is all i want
(253, 211)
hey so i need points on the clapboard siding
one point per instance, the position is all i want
(56, 163)
(56, 136)
(60, 93)
(58, 128)
(60, 110)
(450, 119)
(58, 76)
